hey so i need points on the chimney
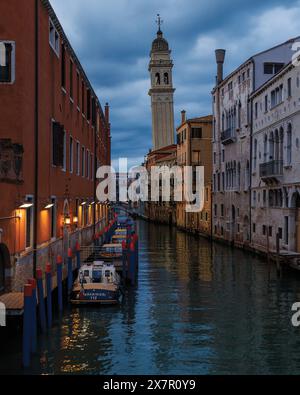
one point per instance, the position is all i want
(220, 57)
(183, 116)
(107, 113)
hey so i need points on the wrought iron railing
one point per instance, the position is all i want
(271, 169)
(228, 135)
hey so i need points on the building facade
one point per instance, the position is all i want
(275, 206)
(232, 122)
(53, 136)
(161, 211)
(194, 148)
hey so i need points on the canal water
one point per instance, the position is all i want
(197, 309)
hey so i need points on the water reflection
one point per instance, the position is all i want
(197, 309)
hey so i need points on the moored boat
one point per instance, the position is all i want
(97, 283)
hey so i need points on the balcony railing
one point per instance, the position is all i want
(228, 136)
(271, 169)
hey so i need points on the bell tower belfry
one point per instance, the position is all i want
(162, 91)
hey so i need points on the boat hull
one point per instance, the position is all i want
(95, 296)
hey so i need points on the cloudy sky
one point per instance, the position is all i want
(113, 38)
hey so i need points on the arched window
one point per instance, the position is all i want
(276, 148)
(265, 148)
(234, 174)
(281, 139)
(239, 175)
(166, 79)
(157, 79)
(247, 175)
(239, 115)
(271, 146)
(289, 145)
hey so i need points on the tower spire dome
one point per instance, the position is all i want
(159, 22)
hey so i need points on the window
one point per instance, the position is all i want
(280, 233)
(196, 157)
(277, 96)
(254, 228)
(223, 155)
(57, 144)
(166, 79)
(53, 219)
(222, 210)
(82, 162)
(78, 89)
(71, 157)
(270, 231)
(78, 158)
(88, 105)
(256, 110)
(289, 145)
(254, 198)
(7, 62)
(82, 97)
(63, 66)
(197, 133)
(53, 38)
(87, 174)
(264, 197)
(248, 73)
(215, 158)
(272, 68)
(94, 112)
(71, 79)
(29, 224)
(289, 87)
(216, 210)
(266, 103)
(65, 152)
(264, 230)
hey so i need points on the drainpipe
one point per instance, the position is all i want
(36, 138)
(95, 179)
(251, 154)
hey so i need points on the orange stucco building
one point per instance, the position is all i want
(53, 136)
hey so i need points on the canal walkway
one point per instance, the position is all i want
(198, 308)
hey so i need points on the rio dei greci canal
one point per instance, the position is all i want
(198, 308)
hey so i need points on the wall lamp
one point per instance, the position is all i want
(26, 205)
(50, 205)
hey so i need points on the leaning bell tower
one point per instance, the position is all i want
(162, 91)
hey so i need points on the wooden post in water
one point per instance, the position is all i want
(41, 296)
(70, 271)
(124, 260)
(27, 321)
(59, 273)
(49, 293)
(33, 342)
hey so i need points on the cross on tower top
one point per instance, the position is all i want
(159, 22)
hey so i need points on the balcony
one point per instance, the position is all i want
(228, 136)
(271, 171)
